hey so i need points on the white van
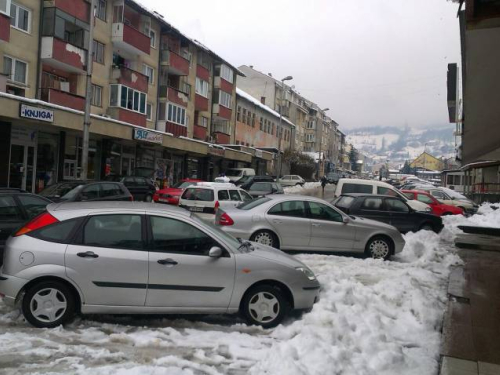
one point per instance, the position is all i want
(207, 197)
(235, 174)
(355, 185)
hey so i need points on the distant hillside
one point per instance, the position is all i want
(400, 144)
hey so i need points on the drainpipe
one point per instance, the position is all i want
(38, 93)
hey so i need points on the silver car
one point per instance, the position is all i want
(138, 258)
(303, 223)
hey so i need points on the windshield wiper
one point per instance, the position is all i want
(246, 244)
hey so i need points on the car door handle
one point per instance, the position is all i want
(168, 261)
(277, 222)
(88, 254)
(316, 224)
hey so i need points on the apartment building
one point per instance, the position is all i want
(258, 129)
(314, 131)
(480, 147)
(160, 101)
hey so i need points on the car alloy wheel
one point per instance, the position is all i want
(379, 248)
(48, 304)
(265, 238)
(264, 307)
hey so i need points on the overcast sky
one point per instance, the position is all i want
(372, 62)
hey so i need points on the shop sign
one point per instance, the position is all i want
(216, 151)
(258, 153)
(35, 113)
(147, 136)
(20, 134)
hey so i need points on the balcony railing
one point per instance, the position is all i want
(130, 39)
(130, 78)
(178, 64)
(63, 55)
(63, 98)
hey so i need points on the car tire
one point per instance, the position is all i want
(264, 305)
(148, 198)
(60, 304)
(379, 247)
(426, 226)
(266, 237)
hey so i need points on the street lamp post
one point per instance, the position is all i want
(88, 96)
(287, 78)
(320, 142)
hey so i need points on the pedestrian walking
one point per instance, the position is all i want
(323, 183)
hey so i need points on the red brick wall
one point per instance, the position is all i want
(200, 103)
(132, 117)
(4, 27)
(78, 8)
(199, 132)
(202, 73)
(176, 130)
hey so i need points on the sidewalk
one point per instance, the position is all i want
(471, 329)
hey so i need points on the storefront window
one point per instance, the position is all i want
(193, 168)
(46, 162)
(73, 158)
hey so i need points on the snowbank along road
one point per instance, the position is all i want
(374, 317)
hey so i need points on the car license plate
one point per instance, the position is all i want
(163, 200)
(196, 209)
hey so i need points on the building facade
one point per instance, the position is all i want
(161, 102)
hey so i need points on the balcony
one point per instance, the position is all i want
(130, 39)
(175, 63)
(62, 55)
(221, 111)
(201, 103)
(63, 98)
(77, 8)
(130, 78)
(221, 126)
(125, 115)
(221, 83)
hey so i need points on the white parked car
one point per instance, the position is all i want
(356, 185)
(207, 197)
(291, 180)
(235, 174)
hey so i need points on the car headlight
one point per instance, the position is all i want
(428, 209)
(306, 271)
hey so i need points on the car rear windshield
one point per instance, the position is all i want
(183, 184)
(344, 202)
(253, 203)
(356, 188)
(197, 194)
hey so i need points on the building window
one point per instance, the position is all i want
(201, 87)
(125, 97)
(249, 118)
(150, 72)
(225, 99)
(5, 7)
(226, 73)
(243, 119)
(311, 124)
(152, 36)
(238, 114)
(149, 111)
(253, 120)
(310, 138)
(98, 52)
(101, 10)
(17, 70)
(96, 96)
(20, 17)
(261, 123)
(176, 114)
(203, 121)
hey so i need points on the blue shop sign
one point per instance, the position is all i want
(147, 136)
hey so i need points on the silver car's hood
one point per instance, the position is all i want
(275, 255)
(362, 222)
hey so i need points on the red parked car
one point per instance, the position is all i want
(437, 207)
(171, 195)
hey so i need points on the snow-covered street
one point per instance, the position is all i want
(374, 317)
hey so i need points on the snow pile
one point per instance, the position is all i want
(300, 189)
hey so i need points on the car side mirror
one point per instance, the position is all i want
(215, 252)
(273, 190)
(345, 219)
